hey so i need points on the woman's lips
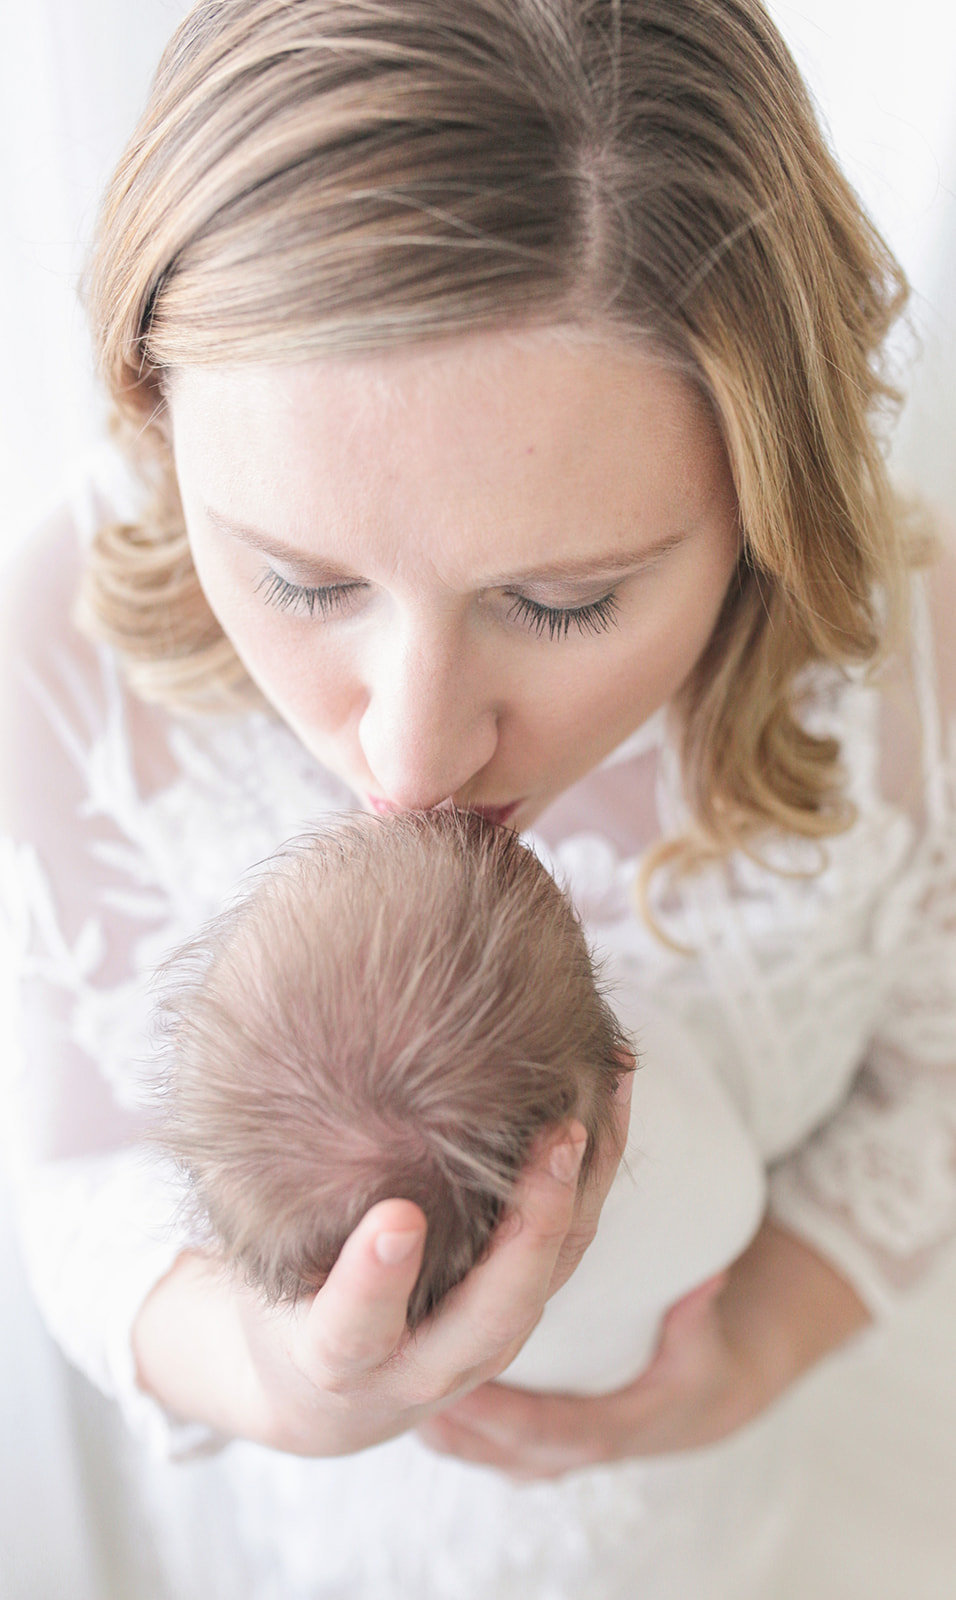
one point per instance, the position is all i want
(499, 814)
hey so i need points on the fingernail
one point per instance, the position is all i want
(565, 1159)
(393, 1248)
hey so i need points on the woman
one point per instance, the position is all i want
(504, 381)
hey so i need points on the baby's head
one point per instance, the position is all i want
(396, 1007)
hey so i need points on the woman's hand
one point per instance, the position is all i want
(727, 1350)
(341, 1372)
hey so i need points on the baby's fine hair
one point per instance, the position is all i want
(395, 1007)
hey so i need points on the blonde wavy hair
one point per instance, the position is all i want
(327, 177)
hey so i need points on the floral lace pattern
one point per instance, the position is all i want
(823, 996)
(797, 981)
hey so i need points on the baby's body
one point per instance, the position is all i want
(688, 1198)
(398, 1008)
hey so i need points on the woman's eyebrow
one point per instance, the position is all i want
(592, 566)
(274, 548)
(596, 566)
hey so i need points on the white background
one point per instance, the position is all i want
(879, 1426)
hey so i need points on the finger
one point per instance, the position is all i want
(516, 1419)
(591, 1198)
(357, 1319)
(448, 1439)
(612, 1149)
(545, 1452)
(484, 1320)
(497, 1411)
(479, 1452)
(623, 1095)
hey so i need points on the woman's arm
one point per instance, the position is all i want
(874, 1189)
(340, 1372)
(93, 893)
(859, 1213)
(728, 1350)
(76, 903)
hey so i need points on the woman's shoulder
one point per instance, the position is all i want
(37, 629)
(58, 688)
(91, 773)
(917, 727)
(941, 592)
(41, 579)
(41, 585)
(39, 582)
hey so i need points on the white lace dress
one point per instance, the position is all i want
(820, 999)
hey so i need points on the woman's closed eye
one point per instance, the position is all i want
(323, 601)
(597, 616)
(556, 621)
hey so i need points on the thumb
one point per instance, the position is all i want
(357, 1319)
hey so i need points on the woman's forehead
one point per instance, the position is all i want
(532, 431)
(490, 367)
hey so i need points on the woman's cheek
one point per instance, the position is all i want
(312, 679)
(229, 594)
(656, 655)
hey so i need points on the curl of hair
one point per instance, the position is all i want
(326, 179)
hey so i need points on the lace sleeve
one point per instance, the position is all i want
(82, 919)
(875, 1188)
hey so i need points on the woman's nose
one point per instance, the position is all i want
(430, 723)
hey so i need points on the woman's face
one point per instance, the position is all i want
(465, 572)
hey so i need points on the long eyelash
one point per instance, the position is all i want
(287, 596)
(557, 621)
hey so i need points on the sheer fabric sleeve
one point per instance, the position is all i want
(874, 1189)
(82, 918)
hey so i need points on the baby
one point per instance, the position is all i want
(396, 1007)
